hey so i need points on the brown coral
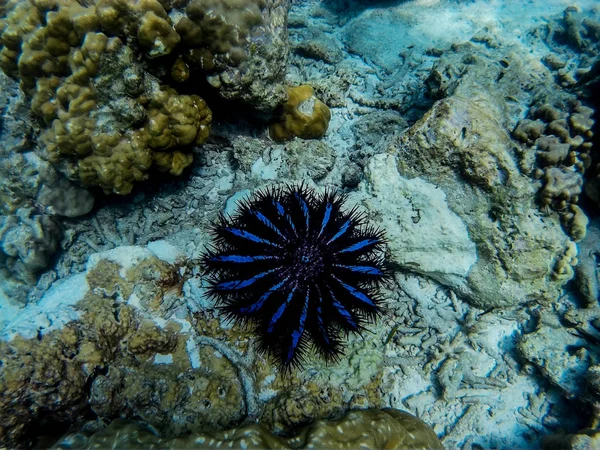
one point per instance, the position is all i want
(370, 429)
(100, 130)
(562, 138)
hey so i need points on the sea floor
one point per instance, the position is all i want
(460, 368)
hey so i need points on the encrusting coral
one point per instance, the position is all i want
(56, 371)
(371, 429)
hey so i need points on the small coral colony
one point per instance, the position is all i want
(298, 267)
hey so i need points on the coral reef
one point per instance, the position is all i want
(560, 138)
(370, 429)
(33, 196)
(67, 64)
(242, 47)
(27, 241)
(92, 342)
(574, 41)
(303, 116)
(493, 216)
(109, 116)
(37, 380)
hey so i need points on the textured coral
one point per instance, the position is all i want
(303, 115)
(38, 379)
(102, 130)
(108, 114)
(27, 241)
(565, 139)
(145, 19)
(561, 136)
(218, 29)
(371, 429)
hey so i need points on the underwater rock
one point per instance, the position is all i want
(563, 348)
(373, 133)
(298, 159)
(423, 233)
(27, 242)
(312, 160)
(61, 197)
(546, 348)
(461, 145)
(321, 48)
(583, 440)
(351, 175)
(369, 429)
(32, 194)
(377, 35)
(587, 272)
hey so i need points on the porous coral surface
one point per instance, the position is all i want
(109, 116)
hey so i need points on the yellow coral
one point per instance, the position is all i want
(175, 120)
(147, 19)
(57, 47)
(303, 115)
(117, 164)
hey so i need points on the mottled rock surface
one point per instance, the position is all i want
(462, 146)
